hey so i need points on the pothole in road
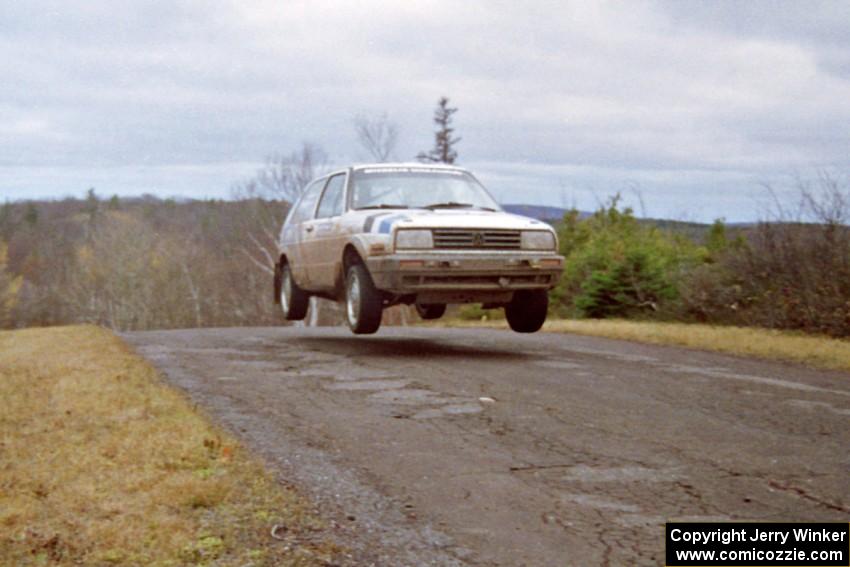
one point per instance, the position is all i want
(350, 375)
(562, 364)
(389, 389)
(584, 473)
(447, 410)
(639, 520)
(600, 503)
(407, 396)
(812, 405)
(255, 364)
(368, 385)
(214, 350)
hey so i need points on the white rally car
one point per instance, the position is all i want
(427, 235)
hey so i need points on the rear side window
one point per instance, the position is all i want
(332, 200)
(305, 207)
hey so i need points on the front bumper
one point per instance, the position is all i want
(471, 276)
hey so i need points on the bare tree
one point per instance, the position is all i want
(790, 271)
(282, 178)
(377, 135)
(443, 151)
(9, 287)
(121, 281)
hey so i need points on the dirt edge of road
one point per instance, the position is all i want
(822, 352)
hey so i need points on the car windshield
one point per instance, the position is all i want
(416, 188)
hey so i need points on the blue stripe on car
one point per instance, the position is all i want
(370, 220)
(387, 223)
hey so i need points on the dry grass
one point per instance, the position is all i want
(820, 352)
(100, 462)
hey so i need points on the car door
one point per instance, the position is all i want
(326, 240)
(296, 232)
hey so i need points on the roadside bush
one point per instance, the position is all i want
(791, 272)
(618, 267)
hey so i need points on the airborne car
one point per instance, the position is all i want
(373, 236)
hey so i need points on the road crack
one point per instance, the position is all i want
(802, 493)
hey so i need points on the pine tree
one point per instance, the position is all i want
(443, 151)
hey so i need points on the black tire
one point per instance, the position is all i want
(431, 310)
(363, 305)
(526, 312)
(293, 299)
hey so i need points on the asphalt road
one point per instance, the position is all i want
(472, 447)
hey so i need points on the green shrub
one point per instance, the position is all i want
(618, 267)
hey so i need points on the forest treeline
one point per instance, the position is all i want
(135, 263)
(149, 263)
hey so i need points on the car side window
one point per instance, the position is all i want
(332, 200)
(305, 207)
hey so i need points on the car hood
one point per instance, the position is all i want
(386, 221)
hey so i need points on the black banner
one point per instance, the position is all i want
(691, 544)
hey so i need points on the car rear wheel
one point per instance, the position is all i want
(431, 310)
(363, 306)
(293, 299)
(526, 312)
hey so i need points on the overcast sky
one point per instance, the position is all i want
(691, 105)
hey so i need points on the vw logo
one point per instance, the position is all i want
(478, 239)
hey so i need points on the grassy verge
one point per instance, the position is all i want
(100, 462)
(820, 352)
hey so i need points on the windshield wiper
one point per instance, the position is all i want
(448, 205)
(381, 206)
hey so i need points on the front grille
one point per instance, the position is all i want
(465, 238)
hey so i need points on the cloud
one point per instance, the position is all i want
(675, 96)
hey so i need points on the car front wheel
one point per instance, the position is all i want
(293, 299)
(363, 306)
(526, 312)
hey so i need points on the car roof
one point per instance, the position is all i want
(412, 164)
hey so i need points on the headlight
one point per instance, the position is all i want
(538, 240)
(413, 239)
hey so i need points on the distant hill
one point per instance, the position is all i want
(545, 213)
(693, 230)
